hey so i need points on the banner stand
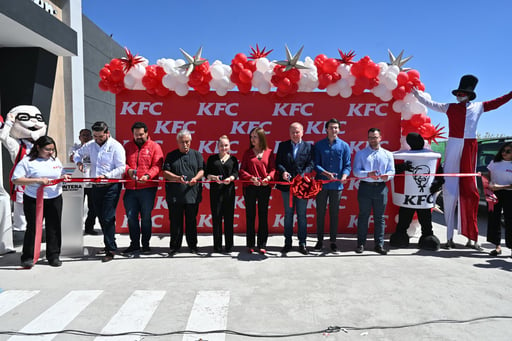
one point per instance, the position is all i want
(72, 214)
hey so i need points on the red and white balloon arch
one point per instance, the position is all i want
(337, 76)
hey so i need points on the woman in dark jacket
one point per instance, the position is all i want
(223, 169)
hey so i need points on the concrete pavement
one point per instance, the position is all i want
(374, 297)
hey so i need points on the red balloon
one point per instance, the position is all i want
(161, 90)
(104, 73)
(324, 79)
(117, 75)
(319, 62)
(402, 78)
(148, 82)
(207, 78)
(335, 77)
(418, 120)
(357, 70)
(371, 70)
(285, 84)
(239, 58)
(237, 67)
(413, 75)
(421, 87)
(251, 65)
(203, 89)
(116, 64)
(330, 65)
(244, 87)
(399, 92)
(362, 82)
(234, 77)
(195, 78)
(293, 75)
(245, 76)
(103, 85)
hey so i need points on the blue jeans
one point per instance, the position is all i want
(300, 205)
(371, 195)
(139, 201)
(105, 204)
(334, 196)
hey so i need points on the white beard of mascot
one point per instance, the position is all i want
(23, 125)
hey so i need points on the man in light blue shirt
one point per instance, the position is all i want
(332, 162)
(375, 166)
(108, 161)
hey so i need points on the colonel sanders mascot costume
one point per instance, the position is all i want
(415, 192)
(460, 157)
(23, 125)
(6, 243)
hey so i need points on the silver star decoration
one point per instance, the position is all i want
(192, 61)
(291, 61)
(398, 61)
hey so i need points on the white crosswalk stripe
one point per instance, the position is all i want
(134, 315)
(12, 298)
(210, 312)
(58, 316)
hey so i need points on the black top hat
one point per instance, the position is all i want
(467, 84)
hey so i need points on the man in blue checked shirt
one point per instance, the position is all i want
(376, 166)
(332, 162)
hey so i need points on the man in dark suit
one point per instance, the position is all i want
(294, 157)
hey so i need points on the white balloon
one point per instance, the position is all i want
(387, 96)
(262, 64)
(217, 71)
(181, 90)
(344, 83)
(407, 115)
(394, 69)
(221, 92)
(346, 92)
(129, 81)
(332, 90)
(181, 78)
(264, 88)
(169, 82)
(398, 105)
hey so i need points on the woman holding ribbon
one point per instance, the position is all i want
(257, 169)
(222, 168)
(500, 172)
(37, 169)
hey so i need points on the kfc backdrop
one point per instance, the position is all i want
(209, 116)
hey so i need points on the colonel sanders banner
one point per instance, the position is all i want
(413, 189)
(209, 116)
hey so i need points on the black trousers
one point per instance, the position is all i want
(179, 213)
(504, 205)
(52, 213)
(91, 213)
(261, 195)
(405, 216)
(222, 203)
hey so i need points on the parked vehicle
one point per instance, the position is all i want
(487, 149)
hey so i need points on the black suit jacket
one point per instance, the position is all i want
(302, 164)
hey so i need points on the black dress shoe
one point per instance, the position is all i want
(334, 247)
(130, 249)
(194, 250)
(27, 264)
(90, 232)
(360, 249)
(146, 250)
(303, 249)
(286, 249)
(319, 245)
(55, 262)
(108, 257)
(381, 250)
(228, 249)
(495, 253)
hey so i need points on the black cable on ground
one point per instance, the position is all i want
(328, 330)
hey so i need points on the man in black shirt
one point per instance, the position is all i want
(184, 167)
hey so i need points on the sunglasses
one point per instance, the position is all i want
(507, 151)
(23, 117)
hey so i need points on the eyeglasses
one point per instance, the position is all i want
(23, 116)
(507, 151)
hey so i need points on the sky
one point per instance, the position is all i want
(447, 39)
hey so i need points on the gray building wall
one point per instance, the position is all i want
(99, 49)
